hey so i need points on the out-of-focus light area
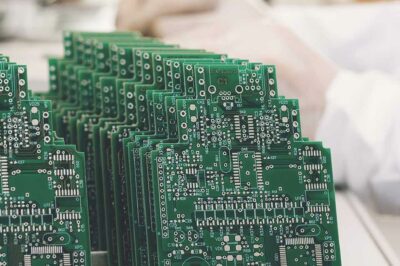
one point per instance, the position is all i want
(44, 19)
(347, 50)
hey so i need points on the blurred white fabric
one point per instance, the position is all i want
(358, 37)
(362, 128)
(360, 123)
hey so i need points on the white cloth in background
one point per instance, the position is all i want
(361, 123)
(359, 37)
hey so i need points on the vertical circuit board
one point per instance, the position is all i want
(192, 157)
(43, 200)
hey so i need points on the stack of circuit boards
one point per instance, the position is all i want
(43, 201)
(191, 157)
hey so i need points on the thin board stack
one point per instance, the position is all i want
(192, 158)
(43, 201)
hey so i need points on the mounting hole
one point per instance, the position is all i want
(239, 89)
(212, 89)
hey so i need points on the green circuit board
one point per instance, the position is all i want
(43, 200)
(192, 157)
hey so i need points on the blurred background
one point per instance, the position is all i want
(341, 58)
(52, 16)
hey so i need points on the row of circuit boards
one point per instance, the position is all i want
(191, 158)
(43, 202)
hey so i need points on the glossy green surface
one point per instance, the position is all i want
(43, 200)
(192, 158)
